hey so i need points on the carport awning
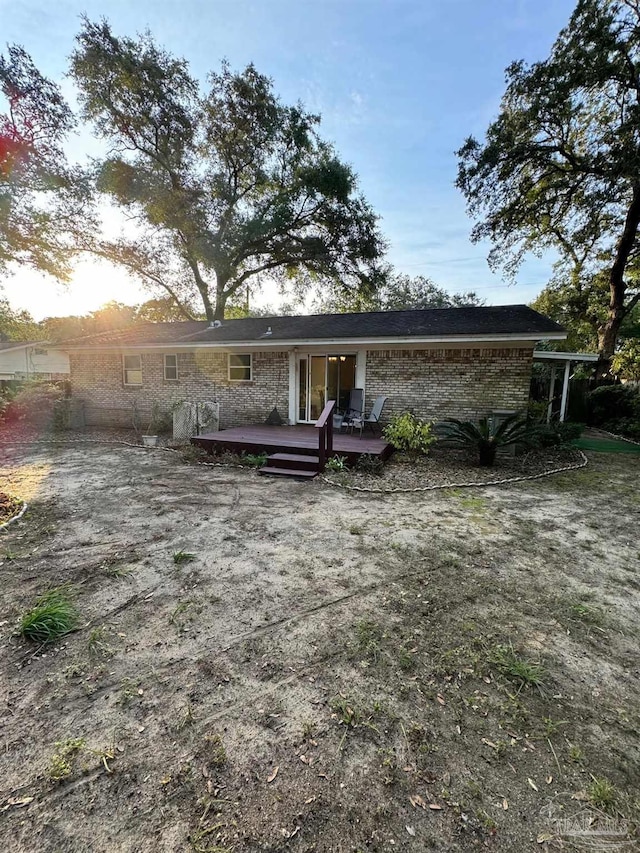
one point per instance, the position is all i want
(566, 359)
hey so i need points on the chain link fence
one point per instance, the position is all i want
(191, 419)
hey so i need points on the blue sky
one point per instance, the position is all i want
(399, 84)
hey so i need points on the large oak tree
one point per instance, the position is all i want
(560, 166)
(44, 203)
(224, 184)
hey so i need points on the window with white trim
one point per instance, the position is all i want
(171, 367)
(132, 369)
(240, 367)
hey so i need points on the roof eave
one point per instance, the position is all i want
(25, 345)
(546, 355)
(270, 343)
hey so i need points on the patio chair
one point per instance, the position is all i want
(372, 419)
(354, 410)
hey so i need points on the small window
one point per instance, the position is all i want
(240, 367)
(171, 368)
(132, 369)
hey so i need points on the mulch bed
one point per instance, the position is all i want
(448, 466)
(9, 506)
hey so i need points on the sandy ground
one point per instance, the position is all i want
(328, 672)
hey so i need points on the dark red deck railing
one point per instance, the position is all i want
(325, 436)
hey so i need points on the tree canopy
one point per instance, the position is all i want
(560, 166)
(43, 201)
(17, 325)
(222, 185)
(398, 293)
(110, 316)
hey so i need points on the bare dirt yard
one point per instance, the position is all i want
(329, 671)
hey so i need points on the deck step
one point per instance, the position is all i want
(288, 472)
(294, 460)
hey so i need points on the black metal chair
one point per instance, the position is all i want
(354, 410)
(372, 419)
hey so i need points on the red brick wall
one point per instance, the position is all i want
(97, 379)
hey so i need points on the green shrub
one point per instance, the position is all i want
(337, 463)
(53, 616)
(612, 403)
(32, 402)
(369, 464)
(487, 436)
(410, 434)
(555, 434)
(254, 460)
(629, 427)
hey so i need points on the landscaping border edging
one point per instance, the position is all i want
(17, 516)
(620, 437)
(364, 489)
(582, 464)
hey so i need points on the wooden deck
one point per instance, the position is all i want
(301, 438)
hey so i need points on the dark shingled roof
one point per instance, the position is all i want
(428, 323)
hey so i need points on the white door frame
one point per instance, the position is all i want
(307, 353)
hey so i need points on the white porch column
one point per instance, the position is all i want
(292, 387)
(552, 388)
(565, 390)
(361, 370)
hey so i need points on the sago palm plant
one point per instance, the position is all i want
(486, 436)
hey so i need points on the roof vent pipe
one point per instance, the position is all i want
(268, 332)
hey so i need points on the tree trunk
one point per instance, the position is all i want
(203, 290)
(608, 332)
(487, 455)
(221, 300)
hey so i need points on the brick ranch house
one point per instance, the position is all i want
(446, 362)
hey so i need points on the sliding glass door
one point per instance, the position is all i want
(322, 378)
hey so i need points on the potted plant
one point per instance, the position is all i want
(150, 437)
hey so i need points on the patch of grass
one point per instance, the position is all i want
(486, 821)
(118, 570)
(97, 643)
(551, 726)
(129, 689)
(308, 729)
(181, 556)
(9, 555)
(356, 530)
(515, 667)
(575, 753)
(368, 635)
(186, 717)
(216, 753)
(473, 503)
(254, 460)
(52, 616)
(602, 793)
(406, 659)
(200, 844)
(60, 763)
(349, 714)
(346, 714)
(587, 613)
